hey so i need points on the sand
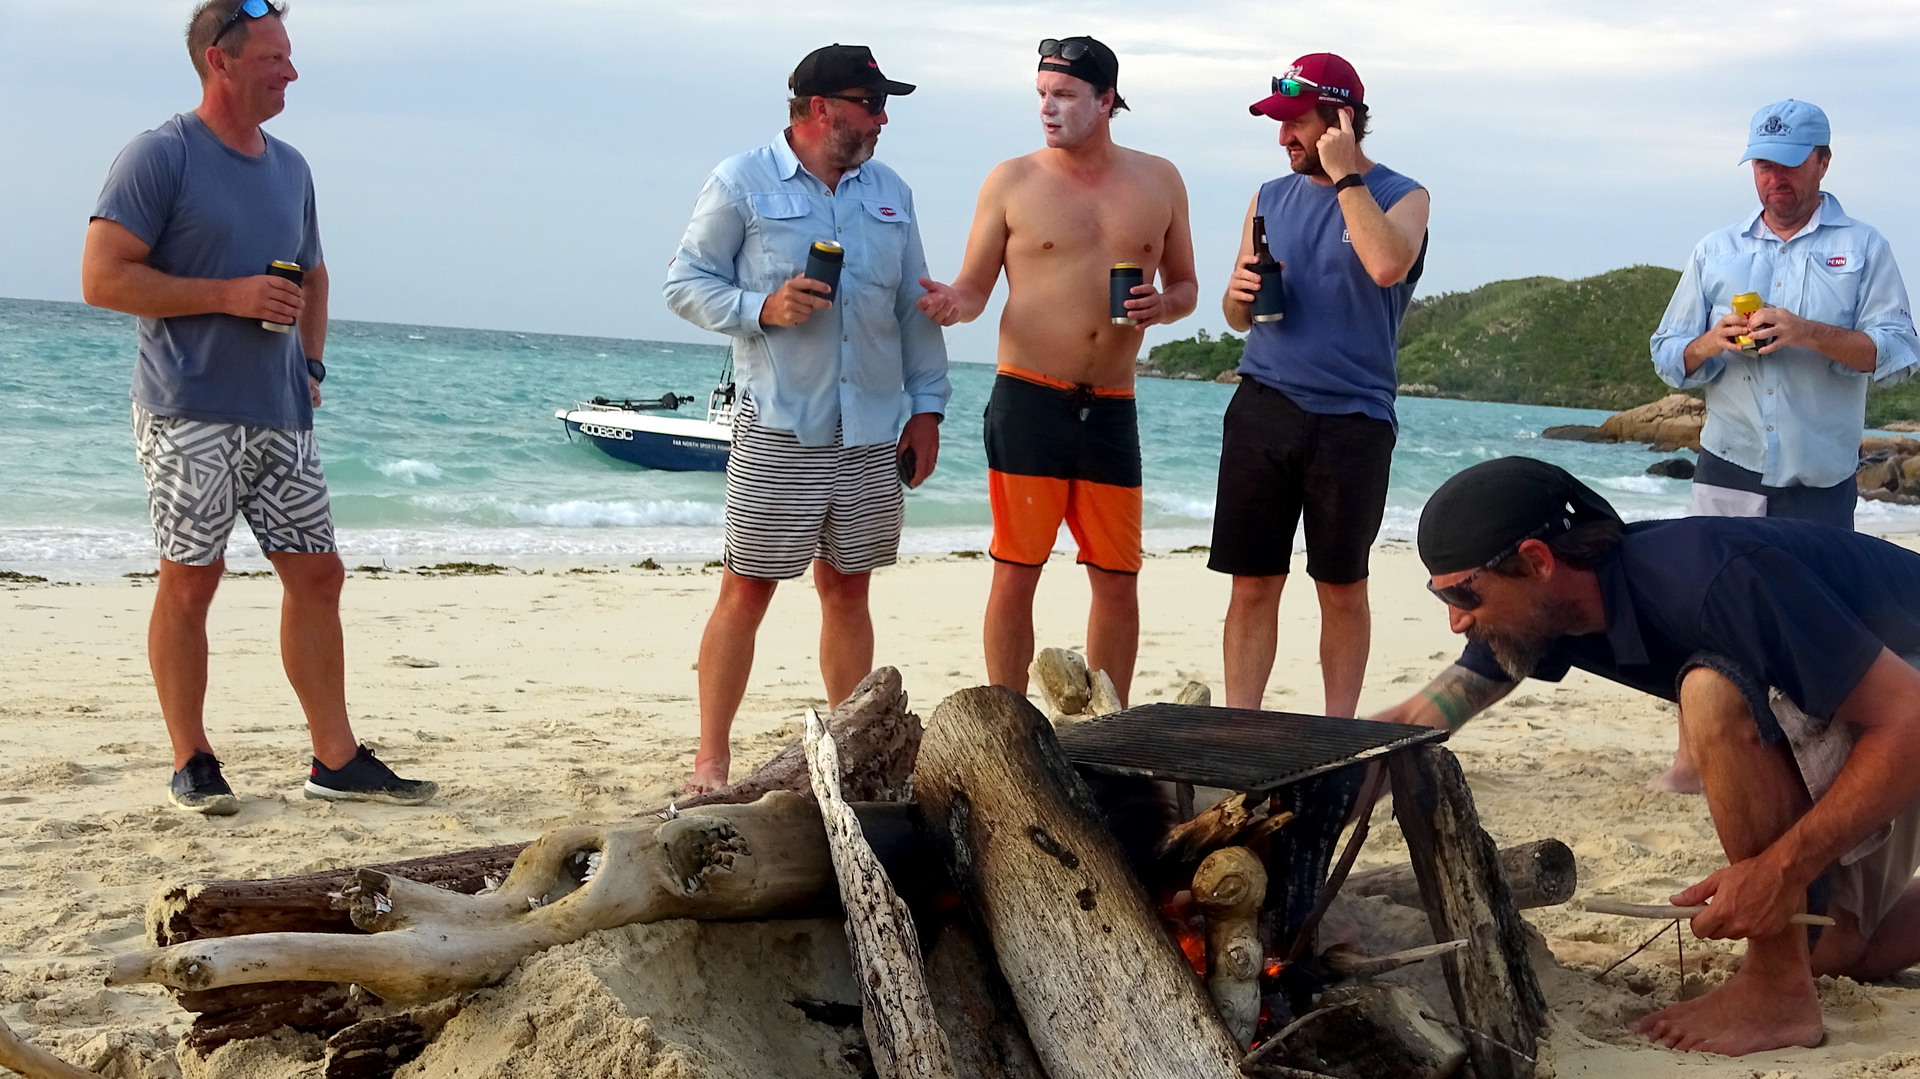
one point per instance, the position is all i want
(567, 695)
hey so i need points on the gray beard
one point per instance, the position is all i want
(848, 147)
(1520, 651)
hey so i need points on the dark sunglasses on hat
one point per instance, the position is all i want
(1065, 50)
(875, 104)
(1461, 594)
(252, 9)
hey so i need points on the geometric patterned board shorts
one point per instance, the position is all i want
(201, 476)
(788, 504)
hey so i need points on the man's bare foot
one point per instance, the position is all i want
(1748, 1014)
(708, 775)
(1679, 779)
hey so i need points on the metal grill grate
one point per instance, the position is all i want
(1235, 748)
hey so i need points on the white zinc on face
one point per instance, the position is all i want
(1070, 111)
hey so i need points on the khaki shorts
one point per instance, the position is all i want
(1871, 877)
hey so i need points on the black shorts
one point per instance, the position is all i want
(1279, 462)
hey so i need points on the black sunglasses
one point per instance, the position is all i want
(1461, 594)
(1065, 50)
(875, 104)
(252, 9)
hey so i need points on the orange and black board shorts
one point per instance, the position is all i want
(1059, 451)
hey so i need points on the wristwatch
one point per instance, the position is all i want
(316, 370)
(1351, 179)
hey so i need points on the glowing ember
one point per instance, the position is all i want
(1273, 968)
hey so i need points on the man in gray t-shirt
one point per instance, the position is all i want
(192, 215)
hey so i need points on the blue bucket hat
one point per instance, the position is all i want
(1785, 132)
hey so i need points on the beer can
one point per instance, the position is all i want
(292, 272)
(1120, 286)
(1746, 303)
(824, 260)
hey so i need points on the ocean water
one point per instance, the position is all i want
(440, 444)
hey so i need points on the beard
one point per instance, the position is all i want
(1309, 163)
(848, 146)
(1520, 649)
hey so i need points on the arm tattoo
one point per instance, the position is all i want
(1459, 694)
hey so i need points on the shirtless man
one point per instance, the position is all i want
(1062, 439)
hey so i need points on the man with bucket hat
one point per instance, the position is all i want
(1790, 648)
(1786, 381)
(843, 385)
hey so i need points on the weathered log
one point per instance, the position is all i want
(1492, 981)
(1105, 699)
(977, 1010)
(22, 1056)
(1538, 874)
(765, 859)
(1062, 910)
(878, 740)
(376, 1048)
(1229, 887)
(903, 1035)
(1361, 1032)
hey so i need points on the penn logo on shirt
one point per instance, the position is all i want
(888, 211)
(1836, 261)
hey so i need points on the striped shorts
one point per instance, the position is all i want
(202, 476)
(788, 504)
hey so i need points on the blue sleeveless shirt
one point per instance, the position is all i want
(1335, 351)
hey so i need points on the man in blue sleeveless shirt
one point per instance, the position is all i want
(1310, 432)
(224, 389)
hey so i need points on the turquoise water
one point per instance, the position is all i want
(441, 444)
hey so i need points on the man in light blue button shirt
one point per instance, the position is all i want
(843, 388)
(1786, 386)
(1784, 416)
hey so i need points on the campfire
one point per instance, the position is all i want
(1105, 894)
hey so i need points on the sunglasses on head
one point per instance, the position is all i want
(252, 9)
(1461, 594)
(1065, 50)
(875, 104)
(1295, 85)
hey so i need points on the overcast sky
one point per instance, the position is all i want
(530, 165)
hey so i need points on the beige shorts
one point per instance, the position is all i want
(1870, 878)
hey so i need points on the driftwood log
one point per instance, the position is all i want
(1229, 887)
(419, 943)
(984, 1030)
(1538, 874)
(1361, 1032)
(1102, 988)
(878, 739)
(903, 1035)
(1465, 896)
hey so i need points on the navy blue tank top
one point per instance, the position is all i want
(1335, 351)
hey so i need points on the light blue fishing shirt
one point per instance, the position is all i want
(862, 366)
(1794, 416)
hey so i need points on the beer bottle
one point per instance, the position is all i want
(1269, 303)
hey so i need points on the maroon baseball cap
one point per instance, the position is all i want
(1330, 81)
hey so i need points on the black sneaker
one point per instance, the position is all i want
(365, 779)
(199, 788)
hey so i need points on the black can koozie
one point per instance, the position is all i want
(1120, 285)
(824, 260)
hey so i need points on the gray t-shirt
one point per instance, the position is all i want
(207, 210)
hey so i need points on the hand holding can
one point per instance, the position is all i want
(290, 271)
(1746, 303)
(824, 261)
(1125, 277)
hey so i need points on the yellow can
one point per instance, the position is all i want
(1747, 303)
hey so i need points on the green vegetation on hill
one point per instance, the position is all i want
(1535, 340)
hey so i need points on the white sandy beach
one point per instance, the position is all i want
(567, 695)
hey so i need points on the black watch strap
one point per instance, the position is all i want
(316, 370)
(1351, 179)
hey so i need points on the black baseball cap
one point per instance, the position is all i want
(1491, 507)
(842, 67)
